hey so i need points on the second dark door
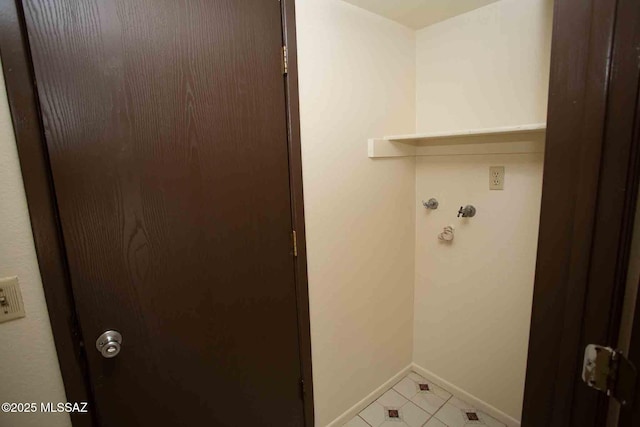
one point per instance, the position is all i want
(165, 123)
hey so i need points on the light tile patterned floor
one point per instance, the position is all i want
(416, 402)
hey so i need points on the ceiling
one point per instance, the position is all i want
(419, 13)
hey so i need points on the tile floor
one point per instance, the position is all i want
(416, 402)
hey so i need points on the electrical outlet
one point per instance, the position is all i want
(11, 306)
(496, 178)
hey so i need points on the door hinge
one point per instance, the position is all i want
(285, 60)
(608, 371)
(303, 391)
(295, 243)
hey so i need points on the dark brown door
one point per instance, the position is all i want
(166, 129)
(590, 185)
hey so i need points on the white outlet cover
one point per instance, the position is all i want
(496, 178)
(11, 306)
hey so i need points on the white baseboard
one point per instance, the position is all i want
(358, 407)
(467, 397)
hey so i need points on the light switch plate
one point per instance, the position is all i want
(11, 306)
(496, 178)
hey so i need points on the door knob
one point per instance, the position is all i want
(109, 344)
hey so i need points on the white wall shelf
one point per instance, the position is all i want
(500, 140)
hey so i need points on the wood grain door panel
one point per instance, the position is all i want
(165, 124)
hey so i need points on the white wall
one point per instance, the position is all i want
(29, 370)
(473, 296)
(488, 67)
(357, 80)
(485, 68)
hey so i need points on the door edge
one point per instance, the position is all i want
(297, 205)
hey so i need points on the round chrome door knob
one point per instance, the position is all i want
(109, 344)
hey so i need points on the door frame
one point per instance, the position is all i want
(590, 185)
(50, 249)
